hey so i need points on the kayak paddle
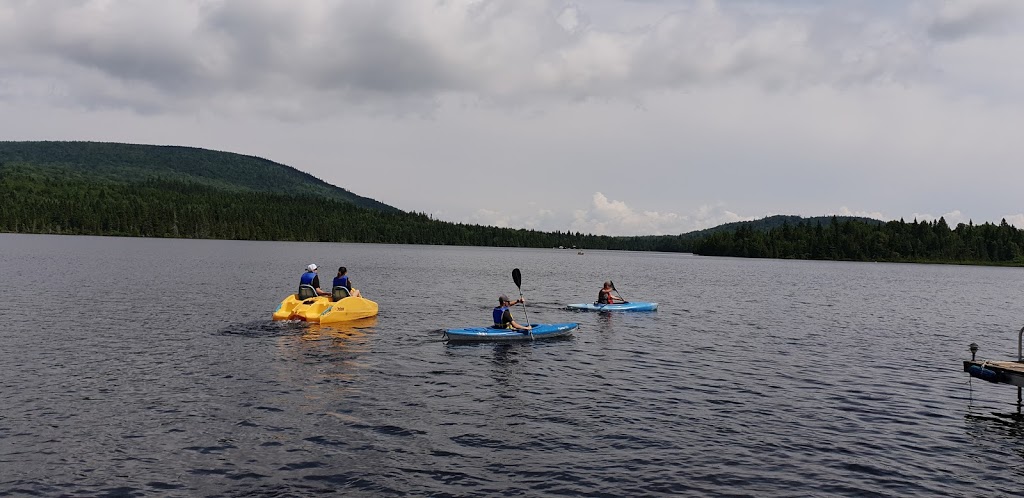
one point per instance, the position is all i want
(617, 292)
(517, 277)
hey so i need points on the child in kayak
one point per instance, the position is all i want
(604, 296)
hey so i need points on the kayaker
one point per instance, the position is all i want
(503, 317)
(342, 280)
(311, 278)
(604, 296)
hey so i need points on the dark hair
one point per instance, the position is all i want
(342, 269)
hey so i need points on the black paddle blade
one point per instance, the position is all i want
(517, 277)
(613, 286)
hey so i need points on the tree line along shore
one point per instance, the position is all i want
(57, 188)
(179, 209)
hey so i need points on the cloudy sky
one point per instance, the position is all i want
(617, 117)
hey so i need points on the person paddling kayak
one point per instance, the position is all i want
(503, 316)
(604, 296)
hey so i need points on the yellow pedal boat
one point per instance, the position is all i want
(306, 305)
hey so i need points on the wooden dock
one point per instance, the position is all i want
(1000, 372)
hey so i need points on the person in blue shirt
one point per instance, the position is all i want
(503, 317)
(342, 280)
(311, 278)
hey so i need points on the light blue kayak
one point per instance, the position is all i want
(627, 306)
(540, 331)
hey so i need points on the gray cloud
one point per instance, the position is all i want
(958, 20)
(319, 58)
(681, 114)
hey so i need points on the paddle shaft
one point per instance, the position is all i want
(517, 277)
(617, 292)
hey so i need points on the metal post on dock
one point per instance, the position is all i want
(1020, 338)
(1020, 359)
(1001, 372)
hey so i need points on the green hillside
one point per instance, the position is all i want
(133, 164)
(857, 240)
(84, 188)
(686, 242)
(777, 221)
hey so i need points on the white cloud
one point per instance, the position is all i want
(612, 217)
(1016, 220)
(530, 217)
(845, 211)
(953, 218)
(708, 216)
(569, 19)
(490, 217)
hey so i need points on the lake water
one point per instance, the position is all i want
(151, 367)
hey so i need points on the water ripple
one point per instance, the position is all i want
(754, 378)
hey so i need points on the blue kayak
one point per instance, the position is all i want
(540, 331)
(627, 306)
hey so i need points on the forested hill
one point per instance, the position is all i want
(84, 188)
(848, 238)
(777, 221)
(117, 163)
(685, 242)
(855, 240)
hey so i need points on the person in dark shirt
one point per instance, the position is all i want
(342, 280)
(311, 278)
(503, 317)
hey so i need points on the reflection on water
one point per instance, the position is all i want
(343, 332)
(508, 368)
(606, 321)
(340, 345)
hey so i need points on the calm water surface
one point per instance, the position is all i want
(151, 367)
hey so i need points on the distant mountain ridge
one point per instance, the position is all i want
(90, 188)
(777, 221)
(684, 242)
(123, 163)
(135, 163)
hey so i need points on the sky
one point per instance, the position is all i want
(613, 117)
